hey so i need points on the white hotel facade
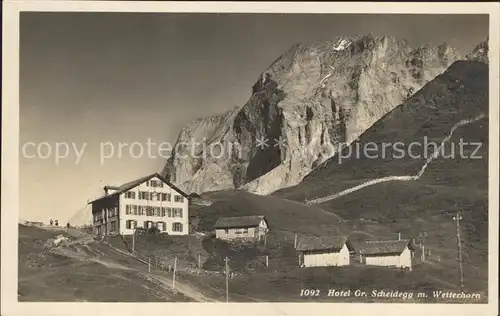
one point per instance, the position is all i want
(147, 202)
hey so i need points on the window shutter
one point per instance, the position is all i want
(164, 226)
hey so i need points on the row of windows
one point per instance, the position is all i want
(153, 211)
(132, 224)
(154, 183)
(111, 212)
(237, 232)
(154, 196)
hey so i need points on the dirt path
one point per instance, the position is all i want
(83, 239)
(166, 282)
(186, 290)
(399, 178)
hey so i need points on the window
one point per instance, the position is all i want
(177, 227)
(178, 198)
(169, 211)
(149, 211)
(129, 224)
(162, 226)
(113, 226)
(177, 212)
(131, 209)
(163, 211)
(141, 210)
(155, 183)
(157, 211)
(144, 195)
(165, 197)
(130, 195)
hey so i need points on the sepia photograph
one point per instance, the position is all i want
(254, 157)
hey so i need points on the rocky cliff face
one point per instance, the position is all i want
(480, 52)
(311, 101)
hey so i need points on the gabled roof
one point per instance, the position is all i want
(132, 184)
(383, 247)
(322, 243)
(239, 222)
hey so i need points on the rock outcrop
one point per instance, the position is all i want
(480, 52)
(311, 101)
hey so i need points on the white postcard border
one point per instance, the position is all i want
(10, 161)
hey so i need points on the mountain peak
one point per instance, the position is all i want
(314, 97)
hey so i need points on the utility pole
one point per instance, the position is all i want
(422, 236)
(149, 264)
(423, 250)
(199, 262)
(175, 268)
(457, 219)
(227, 278)
(133, 241)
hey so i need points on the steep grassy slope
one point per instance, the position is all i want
(459, 93)
(283, 215)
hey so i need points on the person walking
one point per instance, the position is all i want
(51, 222)
(67, 225)
(56, 223)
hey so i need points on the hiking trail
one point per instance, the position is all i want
(399, 178)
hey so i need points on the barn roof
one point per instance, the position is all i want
(382, 247)
(239, 222)
(321, 243)
(132, 184)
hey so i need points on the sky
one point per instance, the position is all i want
(91, 82)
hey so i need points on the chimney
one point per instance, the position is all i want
(110, 189)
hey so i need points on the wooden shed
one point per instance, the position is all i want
(323, 251)
(243, 227)
(390, 253)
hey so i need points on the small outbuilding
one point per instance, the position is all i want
(323, 251)
(389, 253)
(242, 227)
